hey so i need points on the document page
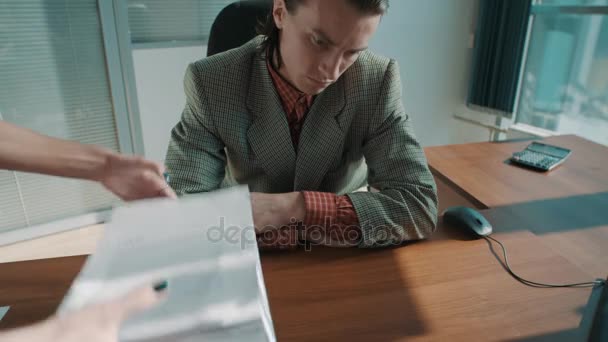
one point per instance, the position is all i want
(204, 246)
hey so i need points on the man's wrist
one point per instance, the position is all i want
(295, 207)
(101, 163)
(75, 160)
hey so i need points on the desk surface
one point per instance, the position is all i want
(448, 288)
(480, 171)
(565, 207)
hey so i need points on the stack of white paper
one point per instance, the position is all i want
(205, 247)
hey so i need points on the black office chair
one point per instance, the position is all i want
(236, 24)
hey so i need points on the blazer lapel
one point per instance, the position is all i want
(321, 138)
(269, 135)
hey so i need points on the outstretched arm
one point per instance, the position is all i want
(129, 177)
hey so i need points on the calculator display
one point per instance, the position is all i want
(555, 151)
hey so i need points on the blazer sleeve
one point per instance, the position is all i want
(195, 159)
(405, 208)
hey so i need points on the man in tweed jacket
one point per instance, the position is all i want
(305, 115)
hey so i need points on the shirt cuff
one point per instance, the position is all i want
(330, 220)
(321, 208)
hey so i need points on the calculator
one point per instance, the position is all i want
(541, 156)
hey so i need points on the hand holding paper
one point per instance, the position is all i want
(205, 247)
(95, 323)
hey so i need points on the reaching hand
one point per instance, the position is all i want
(132, 178)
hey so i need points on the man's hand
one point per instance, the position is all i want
(96, 323)
(273, 211)
(132, 178)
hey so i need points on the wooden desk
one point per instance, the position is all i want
(479, 171)
(449, 288)
(564, 207)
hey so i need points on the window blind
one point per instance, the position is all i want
(54, 81)
(154, 21)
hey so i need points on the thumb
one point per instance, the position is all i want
(137, 301)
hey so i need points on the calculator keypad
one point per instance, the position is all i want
(539, 160)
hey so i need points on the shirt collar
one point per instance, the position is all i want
(289, 94)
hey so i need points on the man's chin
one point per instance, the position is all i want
(311, 87)
(315, 90)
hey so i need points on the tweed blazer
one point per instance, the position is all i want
(234, 130)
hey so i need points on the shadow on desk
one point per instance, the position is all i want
(553, 215)
(539, 217)
(575, 228)
(560, 336)
(542, 217)
(328, 293)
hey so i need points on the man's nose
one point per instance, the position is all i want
(330, 68)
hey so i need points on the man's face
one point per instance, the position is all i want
(320, 40)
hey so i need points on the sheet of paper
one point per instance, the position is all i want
(205, 247)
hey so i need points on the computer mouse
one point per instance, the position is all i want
(467, 219)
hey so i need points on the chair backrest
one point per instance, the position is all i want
(236, 24)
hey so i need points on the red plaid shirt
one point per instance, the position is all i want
(330, 219)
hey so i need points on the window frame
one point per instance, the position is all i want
(113, 19)
(119, 61)
(543, 9)
(202, 39)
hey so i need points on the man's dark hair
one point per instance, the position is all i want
(271, 32)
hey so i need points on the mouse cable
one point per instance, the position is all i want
(594, 283)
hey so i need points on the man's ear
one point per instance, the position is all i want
(278, 13)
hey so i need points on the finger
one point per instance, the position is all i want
(153, 166)
(137, 301)
(168, 192)
(162, 188)
(160, 168)
(157, 167)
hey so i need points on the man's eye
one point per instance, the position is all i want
(318, 41)
(354, 54)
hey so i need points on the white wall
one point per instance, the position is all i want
(430, 39)
(159, 75)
